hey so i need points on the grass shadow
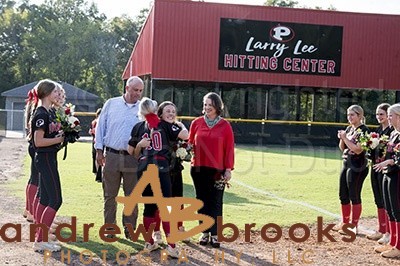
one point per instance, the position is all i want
(228, 196)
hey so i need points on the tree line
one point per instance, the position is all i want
(69, 41)
(65, 40)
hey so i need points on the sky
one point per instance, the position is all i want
(132, 8)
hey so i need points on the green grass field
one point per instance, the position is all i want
(269, 185)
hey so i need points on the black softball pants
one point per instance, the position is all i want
(49, 185)
(351, 182)
(391, 195)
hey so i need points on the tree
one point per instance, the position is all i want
(64, 40)
(281, 3)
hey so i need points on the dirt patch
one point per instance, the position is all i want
(256, 252)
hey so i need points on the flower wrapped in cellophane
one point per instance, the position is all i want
(70, 125)
(183, 151)
(372, 141)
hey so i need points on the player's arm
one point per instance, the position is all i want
(41, 141)
(354, 147)
(342, 145)
(184, 133)
(143, 144)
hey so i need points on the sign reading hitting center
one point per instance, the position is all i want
(280, 47)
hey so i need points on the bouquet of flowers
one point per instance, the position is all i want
(70, 125)
(220, 181)
(371, 141)
(396, 150)
(183, 151)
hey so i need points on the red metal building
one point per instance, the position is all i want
(267, 62)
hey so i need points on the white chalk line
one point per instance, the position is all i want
(271, 195)
(304, 204)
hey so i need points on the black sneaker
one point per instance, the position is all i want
(214, 242)
(204, 239)
(127, 234)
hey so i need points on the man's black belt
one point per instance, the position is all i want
(124, 152)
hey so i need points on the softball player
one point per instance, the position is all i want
(391, 182)
(46, 138)
(355, 168)
(150, 144)
(167, 112)
(382, 235)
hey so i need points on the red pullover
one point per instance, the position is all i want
(213, 147)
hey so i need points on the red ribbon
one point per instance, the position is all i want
(32, 96)
(152, 120)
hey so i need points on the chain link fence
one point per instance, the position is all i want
(12, 123)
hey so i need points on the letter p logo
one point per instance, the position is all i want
(282, 33)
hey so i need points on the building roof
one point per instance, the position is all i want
(72, 92)
(188, 40)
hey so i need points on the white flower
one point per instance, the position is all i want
(375, 143)
(72, 120)
(181, 153)
(71, 108)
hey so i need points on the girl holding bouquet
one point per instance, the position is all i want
(355, 168)
(46, 139)
(391, 182)
(150, 143)
(167, 112)
(384, 129)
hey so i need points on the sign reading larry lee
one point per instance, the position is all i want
(265, 46)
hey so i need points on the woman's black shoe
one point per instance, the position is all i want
(214, 242)
(204, 239)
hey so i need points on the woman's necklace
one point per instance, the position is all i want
(210, 123)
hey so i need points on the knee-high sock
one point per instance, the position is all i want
(346, 211)
(39, 211)
(167, 230)
(27, 197)
(35, 206)
(157, 219)
(147, 221)
(355, 213)
(393, 233)
(47, 218)
(38, 214)
(387, 222)
(397, 235)
(382, 220)
(32, 190)
(180, 223)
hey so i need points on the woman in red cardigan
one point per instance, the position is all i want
(213, 160)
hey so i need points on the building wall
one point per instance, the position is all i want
(14, 114)
(184, 37)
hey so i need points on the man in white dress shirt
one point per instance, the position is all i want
(113, 130)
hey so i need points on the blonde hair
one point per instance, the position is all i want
(147, 106)
(358, 110)
(395, 108)
(60, 102)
